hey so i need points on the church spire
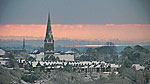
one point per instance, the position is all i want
(49, 41)
(23, 46)
(49, 35)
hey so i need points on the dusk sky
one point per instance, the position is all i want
(127, 20)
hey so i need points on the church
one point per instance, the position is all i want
(49, 45)
(49, 40)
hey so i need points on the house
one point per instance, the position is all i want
(138, 67)
(2, 53)
(3, 59)
(65, 56)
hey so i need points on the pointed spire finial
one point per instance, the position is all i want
(49, 21)
(49, 14)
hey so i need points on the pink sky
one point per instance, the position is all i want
(125, 32)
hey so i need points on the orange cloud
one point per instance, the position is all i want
(80, 31)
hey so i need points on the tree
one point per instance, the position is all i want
(52, 58)
(138, 54)
(127, 53)
(147, 64)
(31, 59)
(75, 50)
(112, 51)
(84, 58)
(29, 78)
(104, 53)
(67, 68)
(92, 54)
(141, 49)
(112, 48)
(57, 59)
(127, 63)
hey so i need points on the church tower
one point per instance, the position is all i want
(23, 45)
(49, 40)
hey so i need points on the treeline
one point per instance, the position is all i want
(104, 53)
(133, 55)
